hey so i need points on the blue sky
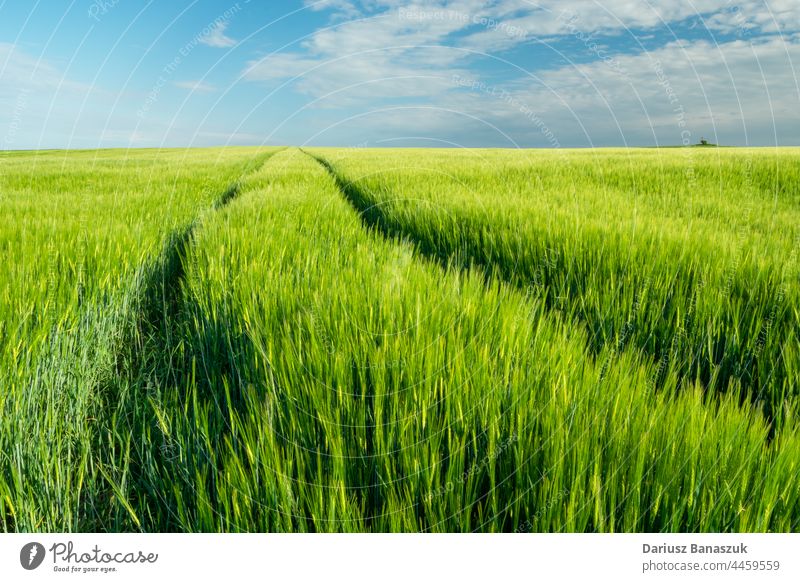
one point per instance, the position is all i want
(465, 73)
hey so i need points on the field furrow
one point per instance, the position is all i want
(699, 275)
(383, 341)
(324, 378)
(84, 232)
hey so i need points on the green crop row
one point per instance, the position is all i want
(80, 234)
(688, 256)
(316, 376)
(243, 340)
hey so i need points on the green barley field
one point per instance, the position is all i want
(352, 340)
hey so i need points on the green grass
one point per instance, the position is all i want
(699, 273)
(78, 232)
(404, 341)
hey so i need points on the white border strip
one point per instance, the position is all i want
(405, 557)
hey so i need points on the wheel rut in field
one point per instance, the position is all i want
(150, 358)
(374, 218)
(660, 351)
(161, 282)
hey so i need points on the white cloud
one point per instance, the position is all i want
(216, 37)
(34, 94)
(730, 89)
(550, 18)
(728, 92)
(389, 53)
(382, 57)
(280, 66)
(394, 38)
(499, 24)
(756, 16)
(412, 49)
(342, 8)
(392, 53)
(20, 70)
(196, 86)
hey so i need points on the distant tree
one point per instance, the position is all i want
(703, 141)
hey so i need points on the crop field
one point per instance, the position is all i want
(388, 340)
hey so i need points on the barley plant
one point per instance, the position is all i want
(81, 233)
(330, 340)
